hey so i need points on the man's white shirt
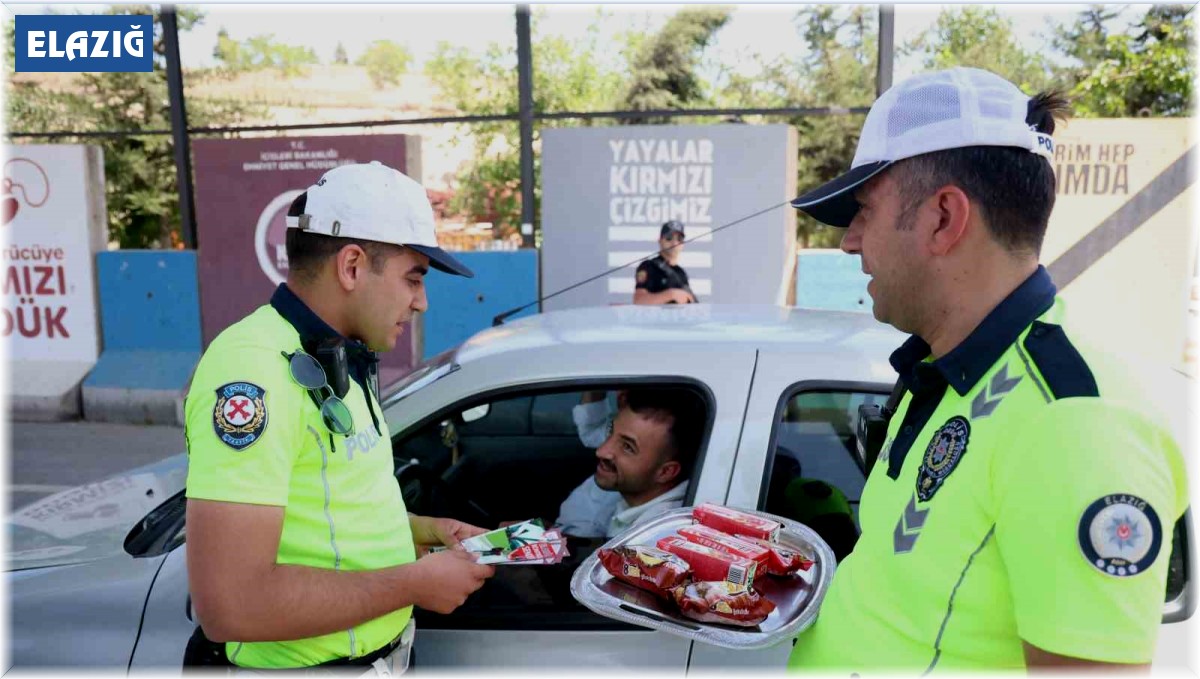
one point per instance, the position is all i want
(592, 512)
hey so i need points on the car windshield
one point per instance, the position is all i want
(422, 376)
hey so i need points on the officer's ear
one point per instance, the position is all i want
(952, 211)
(350, 264)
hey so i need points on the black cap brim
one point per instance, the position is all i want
(833, 202)
(443, 261)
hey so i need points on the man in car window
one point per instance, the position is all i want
(643, 466)
(661, 280)
(300, 550)
(1020, 513)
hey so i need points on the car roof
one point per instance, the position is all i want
(689, 326)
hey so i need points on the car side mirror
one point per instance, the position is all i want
(1181, 591)
(477, 413)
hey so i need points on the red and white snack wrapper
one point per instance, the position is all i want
(723, 542)
(723, 603)
(782, 560)
(537, 552)
(653, 570)
(709, 564)
(733, 522)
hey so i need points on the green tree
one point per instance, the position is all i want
(663, 72)
(385, 62)
(339, 54)
(838, 72)
(567, 76)
(1146, 72)
(141, 191)
(261, 52)
(980, 37)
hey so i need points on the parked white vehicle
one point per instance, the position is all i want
(484, 433)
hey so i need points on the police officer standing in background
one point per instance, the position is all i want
(661, 280)
(300, 550)
(1020, 514)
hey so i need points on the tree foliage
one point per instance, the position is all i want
(567, 76)
(663, 73)
(385, 62)
(836, 71)
(1146, 72)
(261, 52)
(977, 36)
(339, 54)
(140, 187)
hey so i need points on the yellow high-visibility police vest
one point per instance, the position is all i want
(1025, 493)
(254, 436)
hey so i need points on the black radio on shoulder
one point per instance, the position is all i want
(330, 352)
(871, 432)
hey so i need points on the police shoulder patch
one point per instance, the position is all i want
(1120, 535)
(240, 415)
(641, 276)
(942, 455)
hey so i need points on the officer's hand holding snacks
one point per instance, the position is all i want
(445, 579)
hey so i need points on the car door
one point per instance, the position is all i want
(798, 425)
(559, 632)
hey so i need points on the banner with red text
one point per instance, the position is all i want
(54, 221)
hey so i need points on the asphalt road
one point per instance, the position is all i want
(48, 458)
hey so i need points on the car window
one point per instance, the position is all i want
(813, 477)
(519, 458)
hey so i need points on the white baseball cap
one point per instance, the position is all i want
(928, 112)
(372, 201)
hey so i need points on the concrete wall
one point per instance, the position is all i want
(150, 315)
(460, 307)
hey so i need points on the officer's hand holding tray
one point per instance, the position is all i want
(729, 577)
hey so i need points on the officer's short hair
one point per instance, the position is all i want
(686, 413)
(1013, 188)
(307, 252)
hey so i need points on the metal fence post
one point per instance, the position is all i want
(183, 150)
(887, 51)
(525, 107)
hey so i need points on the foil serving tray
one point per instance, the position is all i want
(797, 598)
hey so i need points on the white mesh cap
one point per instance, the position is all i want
(929, 112)
(374, 202)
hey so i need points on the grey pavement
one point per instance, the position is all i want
(45, 458)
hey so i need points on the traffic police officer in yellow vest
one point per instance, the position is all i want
(300, 549)
(1021, 510)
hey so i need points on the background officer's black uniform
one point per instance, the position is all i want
(655, 275)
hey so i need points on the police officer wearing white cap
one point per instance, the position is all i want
(1019, 514)
(301, 552)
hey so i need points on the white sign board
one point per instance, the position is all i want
(54, 221)
(1121, 244)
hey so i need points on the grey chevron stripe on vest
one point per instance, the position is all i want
(908, 528)
(985, 403)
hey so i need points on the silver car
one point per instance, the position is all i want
(484, 433)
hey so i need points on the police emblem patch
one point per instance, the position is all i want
(1120, 535)
(641, 276)
(240, 415)
(942, 456)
